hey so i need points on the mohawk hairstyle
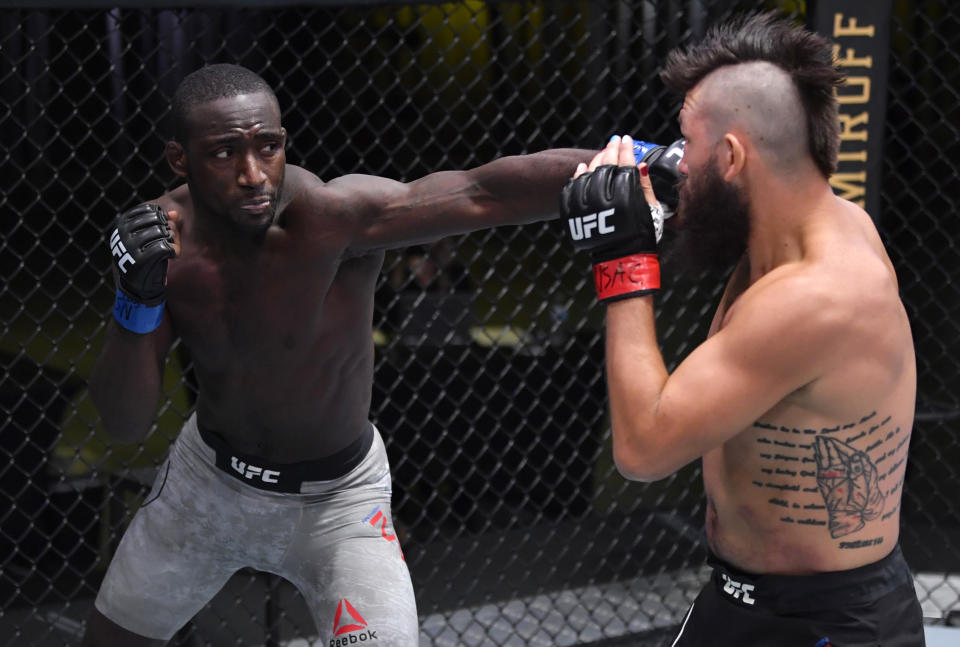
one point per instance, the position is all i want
(209, 83)
(805, 56)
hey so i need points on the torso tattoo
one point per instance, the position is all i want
(851, 466)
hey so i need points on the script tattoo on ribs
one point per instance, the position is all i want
(817, 477)
(849, 483)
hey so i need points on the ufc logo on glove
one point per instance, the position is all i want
(120, 251)
(581, 227)
(608, 217)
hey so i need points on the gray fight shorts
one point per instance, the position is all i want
(201, 523)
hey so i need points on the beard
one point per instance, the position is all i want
(713, 223)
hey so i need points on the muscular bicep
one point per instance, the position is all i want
(728, 382)
(776, 342)
(382, 213)
(769, 348)
(508, 191)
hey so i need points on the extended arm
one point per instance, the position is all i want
(508, 191)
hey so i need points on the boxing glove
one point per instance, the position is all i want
(664, 175)
(606, 215)
(140, 246)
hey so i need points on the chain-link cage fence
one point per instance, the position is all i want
(919, 224)
(489, 373)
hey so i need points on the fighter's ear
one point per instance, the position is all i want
(733, 156)
(177, 158)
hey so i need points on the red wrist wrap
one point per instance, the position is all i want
(623, 276)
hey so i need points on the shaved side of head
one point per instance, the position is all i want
(744, 56)
(759, 101)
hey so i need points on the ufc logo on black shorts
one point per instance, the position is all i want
(252, 471)
(738, 590)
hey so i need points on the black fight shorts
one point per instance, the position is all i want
(870, 606)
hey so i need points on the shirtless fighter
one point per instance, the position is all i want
(270, 285)
(801, 400)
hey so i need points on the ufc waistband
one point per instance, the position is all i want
(807, 593)
(286, 477)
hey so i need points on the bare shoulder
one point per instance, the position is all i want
(298, 186)
(347, 192)
(851, 256)
(826, 307)
(305, 198)
(799, 303)
(353, 203)
(334, 214)
(177, 199)
(365, 188)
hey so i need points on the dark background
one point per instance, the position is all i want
(494, 414)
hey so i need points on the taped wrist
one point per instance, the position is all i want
(135, 316)
(633, 275)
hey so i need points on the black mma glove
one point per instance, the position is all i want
(662, 161)
(141, 245)
(607, 215)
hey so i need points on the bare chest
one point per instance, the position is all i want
(262, 309)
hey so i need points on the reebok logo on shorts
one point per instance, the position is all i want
(346, 622)
(738, 590)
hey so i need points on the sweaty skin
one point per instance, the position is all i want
(817, 480)
(280, 335)
(272, 291)
(801, 400)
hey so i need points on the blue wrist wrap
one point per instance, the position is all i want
(135, 316)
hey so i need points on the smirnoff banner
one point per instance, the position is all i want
(860, 30)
